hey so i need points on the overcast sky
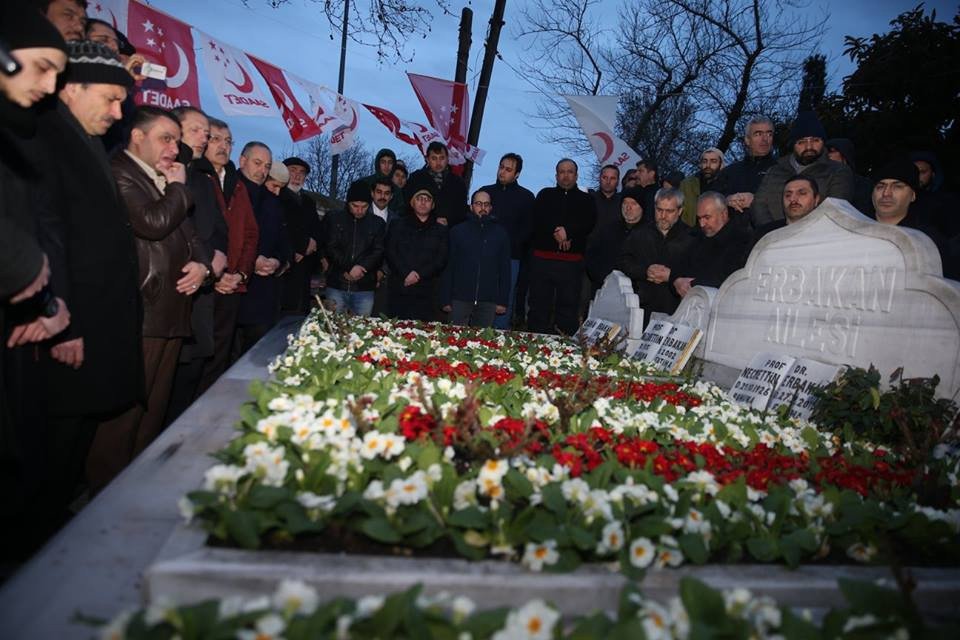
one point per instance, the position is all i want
(297, 38)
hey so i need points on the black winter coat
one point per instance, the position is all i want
(261, 304)
(479, 266)
(351, 241)
(103, 296)
(513, 208)
(571, 209)
(605, 246)
(709, 261)
(647, 246)
(418, 246)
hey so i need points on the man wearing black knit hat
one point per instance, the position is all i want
(894, 195)
(808, 158)
(305, 230)
(97, 369)
(354, 251)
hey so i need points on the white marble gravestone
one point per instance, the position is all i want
(616, 302)
(840, 288)
(694, 311)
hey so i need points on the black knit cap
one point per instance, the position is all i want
(294, 161)
(126, 49)
(900, 169)
(96, 63)
(807, 125)
(359, 192)
(22, 26)
(634, 193)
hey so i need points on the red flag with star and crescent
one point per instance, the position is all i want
(232, 79)
(164, 40)
(447, 105)
(110, 11)
(299, 123)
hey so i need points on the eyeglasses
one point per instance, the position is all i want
(482, 204)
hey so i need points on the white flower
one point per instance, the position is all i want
(159, 610)
(269, 627)
(671, 493)
(187, 511)
(575, 490)
(374, 490)
(855, 622)
(655, 621)
(229, 607)
(393, 445)
(703, 482)
(310, 500)
(533, 621)
(861, 552)
(407, 490)
(537, 555)
(293, 596)
(404, 463)
(465, 495)
(223, 478)
(268, 465)
(462, 608)
(668, 555)
(373, 444)
(642, 553)
(611, 539)
(493, 470)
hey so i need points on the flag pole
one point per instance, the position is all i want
(335, 160)
(483, 85)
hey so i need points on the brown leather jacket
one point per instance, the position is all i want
(165, 240)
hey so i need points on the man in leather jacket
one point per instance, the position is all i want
(354, 250)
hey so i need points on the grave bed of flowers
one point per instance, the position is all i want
(294, 611)
(413, 438)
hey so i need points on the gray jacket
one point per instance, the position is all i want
(834, 179)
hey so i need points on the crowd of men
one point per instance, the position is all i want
(138, 261)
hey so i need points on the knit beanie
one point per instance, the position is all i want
(634, 193)
(807, 125)
(22, 26)
(900, 169)
(421, 182)
(96, 63)
(846, 149)
(359, 192)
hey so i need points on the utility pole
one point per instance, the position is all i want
(466, 39)
(335, 160)
(479, 101)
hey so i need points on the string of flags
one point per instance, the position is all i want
(164, 40)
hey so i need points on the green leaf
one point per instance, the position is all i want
(415, 520)
(582, 539)
(429, 455)
(469, 518)
(543, 527)
(793, 627)
(553, 499)
(347, 502)
(380, 530)
(242, 528)
(295, 518)
(763, 548)
(265, 497)
(866, 597)
(592, 627)
(394, 610)
(630, 629)
(702, 603)
(467, 550)
(484, 624)
(517, 485)
(694, 548)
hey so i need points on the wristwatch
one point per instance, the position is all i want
(49, 305)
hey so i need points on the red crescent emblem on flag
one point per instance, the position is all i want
(608, 144)
(246, 86)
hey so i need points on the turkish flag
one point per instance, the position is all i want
(446, 104)
(299, 124)
(391, 122)
(164, 40)
(229, 71)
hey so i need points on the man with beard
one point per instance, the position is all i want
(603, 247)
(306, 236)
(173, 263)
(801, 195)
(808, 158)
(711, 162)
(650, 255)
(739, 181)
(563, 217)
(451, 201)
(68, 16)
(719, 249)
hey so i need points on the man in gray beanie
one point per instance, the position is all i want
(808, 158)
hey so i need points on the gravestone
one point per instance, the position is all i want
(616, 302)
(840, 288)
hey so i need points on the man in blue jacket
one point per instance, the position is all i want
(476, 282)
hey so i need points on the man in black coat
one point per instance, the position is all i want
(719, 249)
(211, 229)
(96, 370)
(609, 236)
(451, 199)
(306, 237)
(416, 254)
(650, 254)
(563, 217)
(513, 208)
(354, 251)
(739, 181)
